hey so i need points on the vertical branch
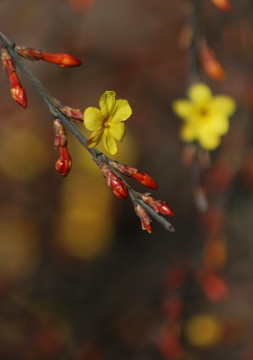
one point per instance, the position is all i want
(194, 72)
(195, 76)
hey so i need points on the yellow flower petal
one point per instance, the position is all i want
(208, 140)
(224, 104)
(188, 132)
(93, 118)
(107, 103)
(219, 123)
(182, 108)
(122, 111)
(199, 93)
(109, 142)
(117, 130)
(95, 138)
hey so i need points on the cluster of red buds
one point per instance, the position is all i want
(17, 91)
(121, 191)
(61, 59)
(223, 5)
(63, 164)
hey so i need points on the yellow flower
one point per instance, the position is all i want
(107, 122)
(205, 116)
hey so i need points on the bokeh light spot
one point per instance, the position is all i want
(203, 330)
(24, 156)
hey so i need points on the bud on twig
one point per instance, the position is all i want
(72, 113)
(123, 169)
(158, 205)
(63, 164)
(144, 218)
(127, 170)
(223, 5)
(145, 179)
(210, 65)
(28, 53)
(60, 138)
(17, 91)
(62, 59)
(118, 187)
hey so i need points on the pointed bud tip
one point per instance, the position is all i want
(223, 5)
(63, 164)
(118, 188)
(148, 228)
(145, 180)
(62, 59)
(166, 210)
(18, 94)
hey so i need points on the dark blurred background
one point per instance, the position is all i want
(79, 279)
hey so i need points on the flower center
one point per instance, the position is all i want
(106, 123)
(203, 111)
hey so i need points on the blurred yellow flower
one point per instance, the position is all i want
(107, 122)
(205, 116)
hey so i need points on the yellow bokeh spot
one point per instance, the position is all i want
(24, 155)
(203, 330)
(85, 223)
(83, 233)
(19, 244)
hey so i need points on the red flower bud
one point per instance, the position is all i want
(145, 179)
(60, 138)
(123, 169)
(72, 113)
(118, 187)
(210, 65)
(158, 205)
(63, 164)
(28, 53)
(164, 209)
(144, 218)
(223, 5)
(214, 286)
(7, 62)
(62, 59)
(17, 91)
